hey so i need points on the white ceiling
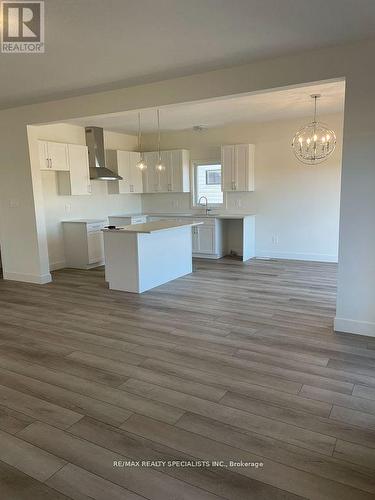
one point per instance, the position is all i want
(261, 107)
(101, 44)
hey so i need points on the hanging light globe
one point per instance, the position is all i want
(159, 167)
(141, 164)
(315, 142)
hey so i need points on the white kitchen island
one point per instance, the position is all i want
(142, 256)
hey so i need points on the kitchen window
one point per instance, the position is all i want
(207, 182)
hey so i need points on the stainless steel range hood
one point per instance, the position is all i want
(95, 145)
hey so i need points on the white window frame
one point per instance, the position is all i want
(193, 184)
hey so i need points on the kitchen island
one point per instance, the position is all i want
(139, 257)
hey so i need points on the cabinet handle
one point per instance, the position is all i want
(50, 163)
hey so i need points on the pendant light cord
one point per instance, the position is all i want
(315, 99)
(139, 132)
(158, 113)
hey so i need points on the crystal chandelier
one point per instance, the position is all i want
(313, 143)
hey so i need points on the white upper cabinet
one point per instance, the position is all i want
(151, 178)
(77, 180)
(238, 167)
(71, 162)
(174, 179)
(53, 155)
(125, 164)
(136, 179)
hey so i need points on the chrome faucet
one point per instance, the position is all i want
(205, 204)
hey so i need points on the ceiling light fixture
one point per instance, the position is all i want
(315, 142)
(159, 167)
(141, 164)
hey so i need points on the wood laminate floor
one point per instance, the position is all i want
(236, 362)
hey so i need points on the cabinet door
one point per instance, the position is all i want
(123, 168)
(176, 172)
(195, 239)
(135, 179)
(227, 168)
(95, 246)
(165, 176)
(180, 171)
(79, 169)
(150, 176)
(242, 167)
(43, 155)
(206, 239)
(58, 155)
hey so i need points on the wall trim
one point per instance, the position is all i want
(354, 326)
(54, 266)
(317, 257)
(28, 278)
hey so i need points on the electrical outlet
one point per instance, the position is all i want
(275, 239)
(14, 203)
(239, 203)
(68, 208)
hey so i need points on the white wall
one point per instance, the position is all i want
(97, 205)
(23, 238)
(297, 206)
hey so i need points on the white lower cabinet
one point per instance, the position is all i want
(83, 243)
(95, 247)
(204, 239)
(207, 237)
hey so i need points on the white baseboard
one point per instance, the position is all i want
(317, 257)
(57, 265)
(354, 326)
(28, 278)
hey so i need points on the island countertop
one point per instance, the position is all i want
(151, 227)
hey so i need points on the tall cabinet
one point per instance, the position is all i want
(76, 181)
(70, 163)
(238, 164)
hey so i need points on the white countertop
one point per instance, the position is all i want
(194, 215)
(85, 221)
(151, 227)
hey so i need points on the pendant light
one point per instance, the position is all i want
(315, 142)
(159, 167)
(141, 164)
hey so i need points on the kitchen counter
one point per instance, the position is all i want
(84, 221)
(196, 215)
(152, 227)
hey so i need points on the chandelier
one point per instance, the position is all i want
(313, 143)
